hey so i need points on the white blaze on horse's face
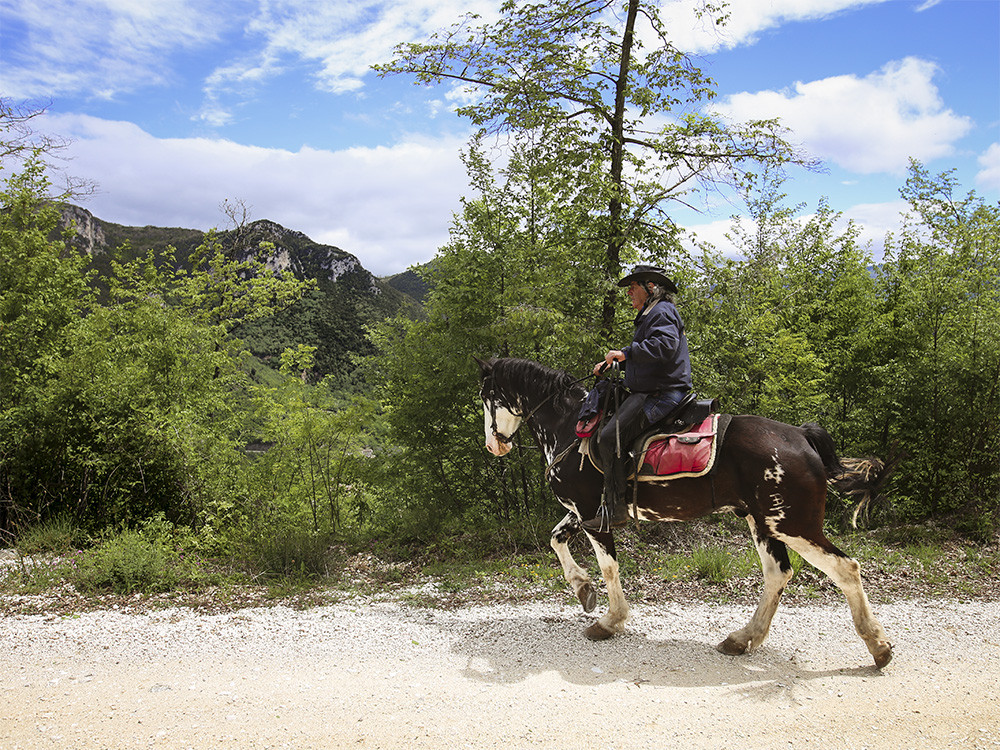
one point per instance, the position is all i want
(506, 424)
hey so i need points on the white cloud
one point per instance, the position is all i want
(988, 177)
(100, 48)
(340, 41)
(747, 19)
(873, 221)
(104, 48)
(866, 125)
(391, 206)
(711, 232)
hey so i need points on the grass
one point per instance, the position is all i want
(711, 560)
(123, 563)
(286, 553)
(57, 535)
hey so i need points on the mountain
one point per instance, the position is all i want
(413, 282)
(334, 317)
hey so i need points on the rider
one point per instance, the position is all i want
(657, 375)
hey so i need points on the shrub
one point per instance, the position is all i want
(284, 552)
(57, 535)
(125, 563)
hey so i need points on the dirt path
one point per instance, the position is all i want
(392, 676)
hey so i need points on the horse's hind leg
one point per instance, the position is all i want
(846, 573)
(576, 577)
(777, 572)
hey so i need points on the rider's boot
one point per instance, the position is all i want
(619, 512)
(612, 512)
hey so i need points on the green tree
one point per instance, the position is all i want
(124, 410)
(777, 331)
(314, 474)
(504, 284)
(941, 285)
(43, 286)
(619, 129)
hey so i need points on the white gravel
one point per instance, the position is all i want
(387, 675)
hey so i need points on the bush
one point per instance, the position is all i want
(284, 552)
(57, 535)
(126, 563)
(159, 557)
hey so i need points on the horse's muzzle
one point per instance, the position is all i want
(497, 447)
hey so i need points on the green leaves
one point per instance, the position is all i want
(941, 285)
(116, 411)
(574, 88)
(43, 287)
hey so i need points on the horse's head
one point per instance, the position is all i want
(501, 417)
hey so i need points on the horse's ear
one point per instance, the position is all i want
(484, 367)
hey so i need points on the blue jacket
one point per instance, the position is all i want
(657, 361)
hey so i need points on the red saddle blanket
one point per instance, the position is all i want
(688, 453)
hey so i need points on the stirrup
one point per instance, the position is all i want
(601, 522)
(605, 520)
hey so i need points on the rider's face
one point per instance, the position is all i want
(637, 295)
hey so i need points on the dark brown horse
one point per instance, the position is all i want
(773, 474)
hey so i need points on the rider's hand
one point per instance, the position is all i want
(615, 355)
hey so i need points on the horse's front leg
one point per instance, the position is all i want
(613, 621)
(576, 577)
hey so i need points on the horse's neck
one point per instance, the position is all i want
(553, 416)
(552, 430)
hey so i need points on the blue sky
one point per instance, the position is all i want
(174, 106)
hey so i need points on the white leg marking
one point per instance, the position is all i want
(846, 573)
(614, 619)
(576, 576)
(775, 580)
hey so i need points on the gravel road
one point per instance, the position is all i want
(366, 674)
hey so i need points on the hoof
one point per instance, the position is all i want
(732, 647)
(588, 597)
(598, 632)
(883, 657)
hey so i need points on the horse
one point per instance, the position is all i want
(772, 474)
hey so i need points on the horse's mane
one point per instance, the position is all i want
(536, 379)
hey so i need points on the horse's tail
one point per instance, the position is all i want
(860, 479)
(864, 479)
(822, 443)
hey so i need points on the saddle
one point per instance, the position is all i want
(684, 444)
(688, 453)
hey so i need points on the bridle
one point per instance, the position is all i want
(490, 394)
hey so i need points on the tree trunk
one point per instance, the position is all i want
(616, 232)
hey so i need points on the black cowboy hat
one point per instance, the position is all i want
(650, 273)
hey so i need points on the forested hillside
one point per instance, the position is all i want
(332, 316)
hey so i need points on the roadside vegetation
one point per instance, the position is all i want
(712, 560)
(146, 454)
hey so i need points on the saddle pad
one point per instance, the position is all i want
(689, 454)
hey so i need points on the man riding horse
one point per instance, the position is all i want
(657, 375)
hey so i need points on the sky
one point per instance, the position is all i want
(173, 107)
